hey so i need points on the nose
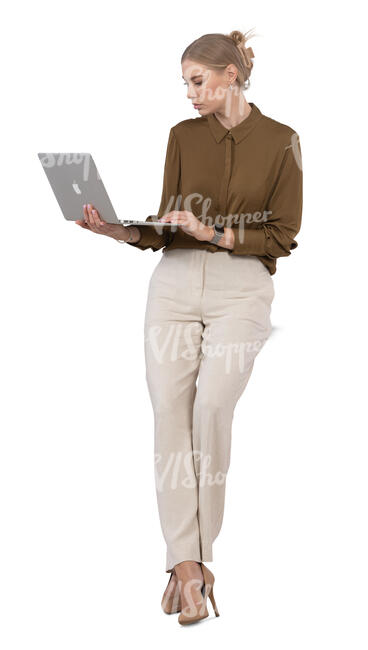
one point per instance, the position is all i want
(190, 95)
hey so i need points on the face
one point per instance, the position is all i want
(208, 90)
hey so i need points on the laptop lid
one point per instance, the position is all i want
(75, 181)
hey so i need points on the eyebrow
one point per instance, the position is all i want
(194, 76)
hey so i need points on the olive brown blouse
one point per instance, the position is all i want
(248, 178)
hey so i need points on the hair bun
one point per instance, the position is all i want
(238, 37)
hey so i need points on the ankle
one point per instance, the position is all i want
(187, 571)
(187, 564)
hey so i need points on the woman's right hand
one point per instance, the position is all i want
(92, 221)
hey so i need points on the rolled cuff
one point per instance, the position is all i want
(249, 242)
(149, 238)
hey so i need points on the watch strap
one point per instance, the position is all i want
(219, 233)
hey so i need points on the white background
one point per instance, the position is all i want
(82, 553)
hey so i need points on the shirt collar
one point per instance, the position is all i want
(239, 131)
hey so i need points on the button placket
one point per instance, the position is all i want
(227, 173)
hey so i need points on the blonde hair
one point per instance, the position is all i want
(216, 51)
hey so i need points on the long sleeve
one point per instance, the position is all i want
(150, 237)
(275, 237)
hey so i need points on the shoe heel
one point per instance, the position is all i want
(213, 602)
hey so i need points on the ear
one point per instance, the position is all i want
(232, 73)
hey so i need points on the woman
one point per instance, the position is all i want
(232, 185)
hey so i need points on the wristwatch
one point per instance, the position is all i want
(219, 233)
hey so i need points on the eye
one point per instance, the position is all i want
(198, 83)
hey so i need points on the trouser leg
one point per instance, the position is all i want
(236, 313)
(173, 337)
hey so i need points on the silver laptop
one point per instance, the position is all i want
(75, 181)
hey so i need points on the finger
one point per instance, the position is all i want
(96, 215)
(86, 214)
(89, 214)
(98, 218)
(180, 217)
(177, 221)
(90, 222)
(169, 215)
(172, 216)
(82, 223)
(92, 219)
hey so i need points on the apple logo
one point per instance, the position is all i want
(76, 188)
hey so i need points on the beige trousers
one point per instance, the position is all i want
(207, 317)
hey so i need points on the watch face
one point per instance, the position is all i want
(220, 229)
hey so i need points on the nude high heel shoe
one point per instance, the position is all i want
(171, 602)
(187, 617)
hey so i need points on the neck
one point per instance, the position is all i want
(235, 110)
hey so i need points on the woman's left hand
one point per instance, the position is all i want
(189, 223)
